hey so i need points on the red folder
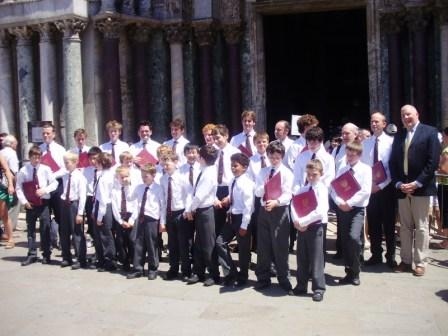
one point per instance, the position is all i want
(345, 185)
(378, 173)
(29, 189)
(48, 160)
(304, 203)
(146, 157)
(273, 188)
(244, 150)
(83, 160)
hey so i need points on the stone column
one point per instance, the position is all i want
(391, 22)
(144, 8)
(175, 36)
(128, 7)
(48, 72)
(444, 64)
(111, 69)
(7, 115)
(25, 81)
(232, 34)
(205, 38)
(73, 105)
(142, 93)
(417, 23)
(107, 6)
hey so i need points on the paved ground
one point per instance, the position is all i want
(48, 300)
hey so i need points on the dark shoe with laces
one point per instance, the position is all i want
(152, 275)
(134, 275)
(318, 296)
(29, 260)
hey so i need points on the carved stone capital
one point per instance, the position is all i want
(392, 22)
(417, 18)
(23, 34)
(232, 32)
(230, 11)
(46, 31)
(204, 32)
(140, 33)
(71, 27)
(175, 32)
(110, 27)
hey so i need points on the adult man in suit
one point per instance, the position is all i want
(414, 159)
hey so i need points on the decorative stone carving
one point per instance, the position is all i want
(21, 33)
(175, 32)
(230, 11)
(128, 7)
(144, 8)
(174, 9)
(204, 33)
(71, 27)
(392, 22)
(140, 33)
(110, 27)
(46, 31)
(417, 18)
(232, 32)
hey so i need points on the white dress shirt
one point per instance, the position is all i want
(242, 198)
(181, 192)
(303, 159)
(11, 158)
(119, 147)
(321, 211)
(131, 205)
(294, 151)
(89, 174)
(384, 149)
(185, 171)
(287, 142)
(338, 154)
(46, 178)
(181, 142)
(153, 204)
(204, 192)
(240, 139)
(57, 153)
(255, 165)
(103, 191)
(286, 183)
(75, 150)
(363, 175)
(78, 189)
(228, 151)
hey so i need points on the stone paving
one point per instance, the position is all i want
(48, 300)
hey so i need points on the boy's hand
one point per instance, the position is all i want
(28, 206)
(302, 228)
(99, 223)
(271, 204)
(125, 225)
(217, 204)
(162, 228)
(242, 232)
(78, 220)
(345, 207)
(225, 202)
(40, 192)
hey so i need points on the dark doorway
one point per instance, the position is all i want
(317, 63)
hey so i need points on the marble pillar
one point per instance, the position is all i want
(193, 126)
(7, 113)
(48, 72)
(205, 37)
(444, 64)
(175, 36)
(142, 94)
(25, 81)
(111, 69)
(73, 103)
(232, 34)
(126, 89)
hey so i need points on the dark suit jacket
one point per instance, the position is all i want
(423, 159)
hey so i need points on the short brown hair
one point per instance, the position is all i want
(179, 123)
(354, 146)
(315, 164)
(305, 121)
(208, 127)
(149, 168)
(114, 125)
(261, 135)
(34, 151)
(221, 129)
(249, 114)
(79, 131)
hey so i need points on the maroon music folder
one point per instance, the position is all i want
(345, 185)
(83, 160)
(273, 187)
(29, 189)
(146, 157)
(378, 173)
(244, 150)
(48, 160)
(304, 203)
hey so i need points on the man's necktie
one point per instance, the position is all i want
(271, 173)
(313, 156)
(263, 161)
(67, 194)
(48, 148)
(220, 167)
(196, 184)
(231, 191)
(375, 151)
(113, 150)
(407, 142)
(123, 208)
(190, 175)
(35, 178)
(169, 197)
(141, 214)
(248, 146)
(174, 146)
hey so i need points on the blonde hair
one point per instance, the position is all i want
(72, 157)
(114, 125)
(149, 168)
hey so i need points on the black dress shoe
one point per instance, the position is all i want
(286, 286)
(391, 263)
(46, 261)
(65, 263)
(241, 282)
(209, 282)
(134, 275)
(152, 275)
(28, 261)
(194, 278)
(317, 297)
(260, 285)
(171, 275)
(337, 256)
(229, 280)
(356, 281)
(373, 261)
(299, 291)
(347, 280)
(78, 265)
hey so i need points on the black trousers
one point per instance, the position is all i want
(43, 214)
(221, 214)
(204, 243)
(146, 244)
(381, 219)
(228, 232)
(72, 232)
(310, 258)
(442, 196)
(54, 205)
(123, 242)
(105, 234)
(254, 222)
(351, 226)
(89, 210)
(179, 233)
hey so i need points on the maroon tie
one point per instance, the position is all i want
(169, 197)
(190, 175)
(313, 156)
(375, 151)
(231, 191)
(271, 173)
(35, 179)
(263, 161)
(67, 194)
(196, 184)
(95, 182)
(113, 151)
(123, 209)
(220, 167)
(174, 146)
(141, 214)
(248, 146)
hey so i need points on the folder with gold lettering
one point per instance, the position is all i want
(273, 187)
(378, 173)
(345, 185)
(48, 160)
(146, 157)
(304, 203)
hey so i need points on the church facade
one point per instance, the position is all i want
(80, 63)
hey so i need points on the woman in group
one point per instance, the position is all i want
(6, 198)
